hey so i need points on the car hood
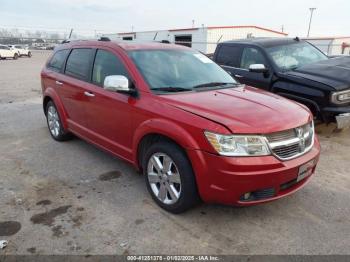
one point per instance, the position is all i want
(243, 109)
(333, 72)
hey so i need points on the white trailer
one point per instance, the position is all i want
(332, 45)
(204, 39)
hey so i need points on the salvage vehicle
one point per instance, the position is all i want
(6, 52)
(294, 69)
(180, 119)
(21, 50)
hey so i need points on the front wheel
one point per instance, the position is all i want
(29, 54)
(15, 56)
(169, 177)
(54, 123)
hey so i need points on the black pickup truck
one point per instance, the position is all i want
(294, 69)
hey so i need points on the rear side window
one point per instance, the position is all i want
(57, 60)
(229, 55)
(106, 64)
(78, 63)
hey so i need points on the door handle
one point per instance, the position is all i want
(88, 94)
(238, 76)
(59, 83)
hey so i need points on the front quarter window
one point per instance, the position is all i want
(178, 70)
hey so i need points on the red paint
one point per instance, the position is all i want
(117, 123)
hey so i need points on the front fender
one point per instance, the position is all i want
(52, 94)
(166, 128)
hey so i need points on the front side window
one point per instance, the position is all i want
(179, 70)
(292, 56)
(58, 59)
(106, 64)
(78, 63)
(251, 56)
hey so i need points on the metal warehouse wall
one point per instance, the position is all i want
(225, 34)
(204, 39)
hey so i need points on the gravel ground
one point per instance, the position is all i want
(72, 198)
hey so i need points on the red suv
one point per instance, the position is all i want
(174, 114)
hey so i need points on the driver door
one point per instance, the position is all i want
(250, 56)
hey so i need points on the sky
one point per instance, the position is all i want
(88, 17)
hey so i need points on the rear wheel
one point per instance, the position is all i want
(54, 123)
(169, 177)
(15, 56)
(29, 54)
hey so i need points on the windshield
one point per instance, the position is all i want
(179, 70)
(292, 56)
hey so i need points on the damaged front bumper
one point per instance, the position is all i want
(343, 120)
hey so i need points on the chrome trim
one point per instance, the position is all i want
(334, 97)
(274, 145)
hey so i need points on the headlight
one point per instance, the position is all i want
(340, 97)
(238, 145)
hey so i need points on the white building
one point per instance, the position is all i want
(332, 45)
(203, 39)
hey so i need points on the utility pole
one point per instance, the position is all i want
(70, 34)
(312, 9)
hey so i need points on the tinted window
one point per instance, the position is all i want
(57, 60)
(229, 55)
(78, 63)
(106, 64)
(251, 56)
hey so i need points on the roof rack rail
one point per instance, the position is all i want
(104, 39)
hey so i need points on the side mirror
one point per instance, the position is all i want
(258, 68)
(118, 83)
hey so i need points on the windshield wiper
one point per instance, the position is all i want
(171, 89)
(213, 84)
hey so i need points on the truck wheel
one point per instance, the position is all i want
(15, 56)
(169, 177)
(54, 123)
(29, 54)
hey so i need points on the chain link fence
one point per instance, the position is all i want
(207, 48)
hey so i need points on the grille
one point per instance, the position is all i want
(293, 142)
(284, 135)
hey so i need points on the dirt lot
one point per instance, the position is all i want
(72, 198)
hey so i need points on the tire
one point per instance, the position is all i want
(179, 183)
(54, 123)
(15, 56)
(29, 54)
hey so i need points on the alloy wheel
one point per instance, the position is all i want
(53, 121)
(164, 178)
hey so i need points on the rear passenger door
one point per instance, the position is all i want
(109, 114)
(229, 57)
(72, 87)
